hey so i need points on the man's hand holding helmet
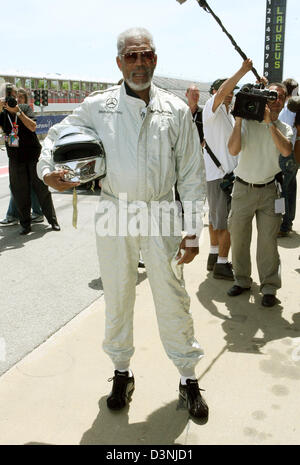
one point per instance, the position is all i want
(56, 180)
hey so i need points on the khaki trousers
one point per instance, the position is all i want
(248, 202)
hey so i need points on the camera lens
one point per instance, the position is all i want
(250, 107)
(246, 89)
(11, 102)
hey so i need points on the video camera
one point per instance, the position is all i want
(9, 99)
(251, 101)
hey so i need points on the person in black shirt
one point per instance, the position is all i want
(12, 215)
(23, 150)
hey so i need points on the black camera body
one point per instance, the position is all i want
(251, 102)
(9, 99)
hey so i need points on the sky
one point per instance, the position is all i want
(78, 38)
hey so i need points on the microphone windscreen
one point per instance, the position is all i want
(294, 104)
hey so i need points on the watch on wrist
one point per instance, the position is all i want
(19, 113)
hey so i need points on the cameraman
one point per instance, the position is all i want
(23, 150)
(259, 146)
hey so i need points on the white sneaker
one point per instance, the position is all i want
(8, 222)
(37, 218)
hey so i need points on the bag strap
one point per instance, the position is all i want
(212, 156)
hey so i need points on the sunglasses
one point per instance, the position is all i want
(146, 55)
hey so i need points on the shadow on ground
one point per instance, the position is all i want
(163, 426)
(12, 240)
(290, 242)
(245, 317)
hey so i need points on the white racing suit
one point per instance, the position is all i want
(147, 149)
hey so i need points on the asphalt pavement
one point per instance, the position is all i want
(56, 394)
(46, 277)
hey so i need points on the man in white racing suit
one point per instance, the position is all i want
(150, 141)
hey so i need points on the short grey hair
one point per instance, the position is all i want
(131, 33)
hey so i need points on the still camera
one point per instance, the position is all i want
(9, 99)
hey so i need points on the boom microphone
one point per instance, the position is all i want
(203, 4)
(294, 104)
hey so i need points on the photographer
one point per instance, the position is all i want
(12, 215)
(23, 150)
(259, 146)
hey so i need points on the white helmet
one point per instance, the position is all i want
(80, 151)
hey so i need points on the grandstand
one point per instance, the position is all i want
(179, 87)
(65, 92)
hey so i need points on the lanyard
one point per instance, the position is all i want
(13, 139)
(14, 125)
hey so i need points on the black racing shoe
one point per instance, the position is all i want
(123, 387)
(194, 401)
